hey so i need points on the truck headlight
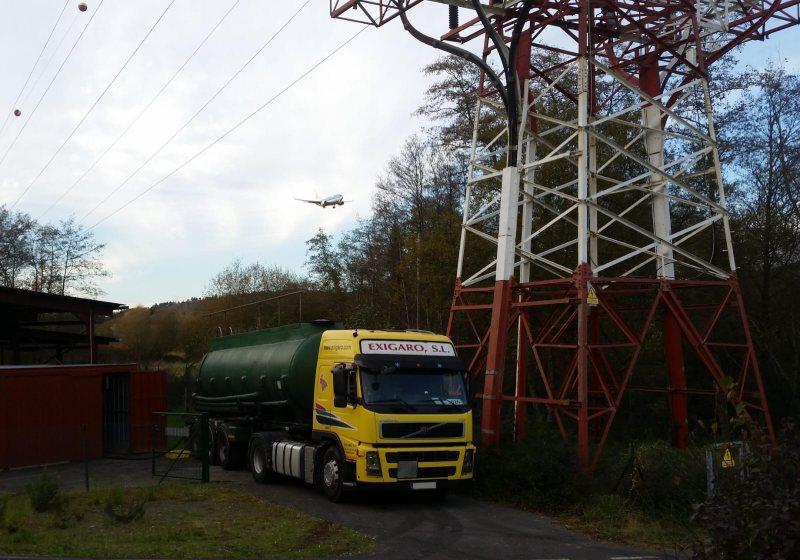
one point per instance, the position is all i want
(469, 461)
(373, 463)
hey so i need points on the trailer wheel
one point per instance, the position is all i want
(229, 454)
(332, 475)
(194, 442)
(259, 462)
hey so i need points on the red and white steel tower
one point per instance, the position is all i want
(601, 204)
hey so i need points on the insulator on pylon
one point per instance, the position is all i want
(82, 6)
(453, 17)
(609, 17)
(17, 112)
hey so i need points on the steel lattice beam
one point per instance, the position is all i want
(609, 214)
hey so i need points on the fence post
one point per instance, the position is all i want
(153, 442)
(204, 445)
(85, 445)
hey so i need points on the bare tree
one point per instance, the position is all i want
(59, 259)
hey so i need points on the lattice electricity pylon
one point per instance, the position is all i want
(601, 203)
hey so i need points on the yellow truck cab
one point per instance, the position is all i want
(396, 404)
(342, 409)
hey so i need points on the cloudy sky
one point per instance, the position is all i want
(331, 133)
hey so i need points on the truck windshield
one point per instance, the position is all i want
(423, 390)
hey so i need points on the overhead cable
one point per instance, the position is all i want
(38, 58)
(233, 128)
(196, 113)
(33, 112)
(96, 101)
(46, 65)
(142, 112)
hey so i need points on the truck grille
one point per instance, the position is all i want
(429, 472)
(422, 456)
(422, 430)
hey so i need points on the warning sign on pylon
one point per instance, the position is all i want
(591, 296)
(727, 459)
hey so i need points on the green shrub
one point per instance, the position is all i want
(607, 509)
(756, 515)
(60, 520)
(665, 479)
(4, 499)
(44, 493)
(122, 508)
(537, 473)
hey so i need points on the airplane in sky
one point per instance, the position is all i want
(333, 200)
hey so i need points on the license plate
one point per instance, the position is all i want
(423, 486)
(406, 469)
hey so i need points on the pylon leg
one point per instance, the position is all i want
(520, 387)
(678, 400)
(584, 454)
(495, 364)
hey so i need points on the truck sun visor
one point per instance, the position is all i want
(377, 362)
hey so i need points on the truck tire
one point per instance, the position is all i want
(259, 462)
(194, 442)
(332, 475)
(228, 454)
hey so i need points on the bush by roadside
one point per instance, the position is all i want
(538, 473)
(754, 514)
(650, 493)
(641, 493)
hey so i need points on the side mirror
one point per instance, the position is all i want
(344, 385)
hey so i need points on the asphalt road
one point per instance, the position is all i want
(404, 526)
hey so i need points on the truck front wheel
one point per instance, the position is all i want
(259, 464)
(332, 475)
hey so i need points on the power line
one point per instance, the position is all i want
(46, 65)
(142, 112)
(96, 101)
(200, 110)
(230, 130)
(38, 58)
(85, 27)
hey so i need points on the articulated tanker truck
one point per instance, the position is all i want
(340, 409)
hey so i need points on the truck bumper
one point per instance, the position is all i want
(412, 468)
(411, 486)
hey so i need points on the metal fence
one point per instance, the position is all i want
(180, 446)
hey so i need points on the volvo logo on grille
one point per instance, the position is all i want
(414, 430)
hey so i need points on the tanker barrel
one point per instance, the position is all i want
(272, 369)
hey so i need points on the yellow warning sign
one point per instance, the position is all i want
(727, 459)
(591, 296)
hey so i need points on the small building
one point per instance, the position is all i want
(53, 412)
(36, 327)
(49, 413)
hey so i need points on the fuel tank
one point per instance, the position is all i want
(269, 372)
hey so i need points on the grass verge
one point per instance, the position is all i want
(610, 517)
(170, 521)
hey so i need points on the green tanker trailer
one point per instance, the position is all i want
(338, 408)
